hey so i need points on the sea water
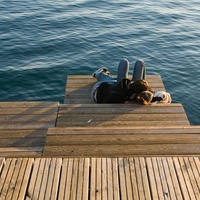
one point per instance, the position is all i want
(41, 42)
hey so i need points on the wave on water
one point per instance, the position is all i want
(44, 41)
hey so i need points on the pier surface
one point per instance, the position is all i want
(83, 150)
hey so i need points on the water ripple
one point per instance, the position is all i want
(44, 41)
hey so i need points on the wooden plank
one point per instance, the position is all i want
(180, 176)
(29, 118)
(3, 176)
(74, 180)
(7, 179)
(26, 177)
(157, 179)
(150, 171)
(116, 192)
(51, 173)
(74, 101)
(33, 179)
(192, 177)
(23, 177)
(165, 188)
(27, 125)
(2, 161)
(22, 142)
(141, 191)
(97, 139)
(197, 162)
(174, 179)
(22, 133)
(128, 178)
(69, 179)
(98, 179)
(123, 123)
(55, 180)
(93, 178)
(38, 183)
(122, 180)
(115, 105)
(124, 117)
(168, 179)
(21, 151)
(184, 168)
(124, 130)
(122, 150)
(80, 179)
(133, 179)
(145, 179)
(63, 179)
(196, 176)
(44, 178)
(104, 179)
(110, 186)
(13, 181)
(29, 111)
(26, 104)
(86, 178)
(120, 108)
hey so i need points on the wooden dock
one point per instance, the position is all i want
(100, 178)
(83, 150)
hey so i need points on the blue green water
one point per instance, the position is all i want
(41, 42)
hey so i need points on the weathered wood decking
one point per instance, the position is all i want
(100, 178)
(123, 142)
(114, 130)
(82, 150)
(24, 125)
